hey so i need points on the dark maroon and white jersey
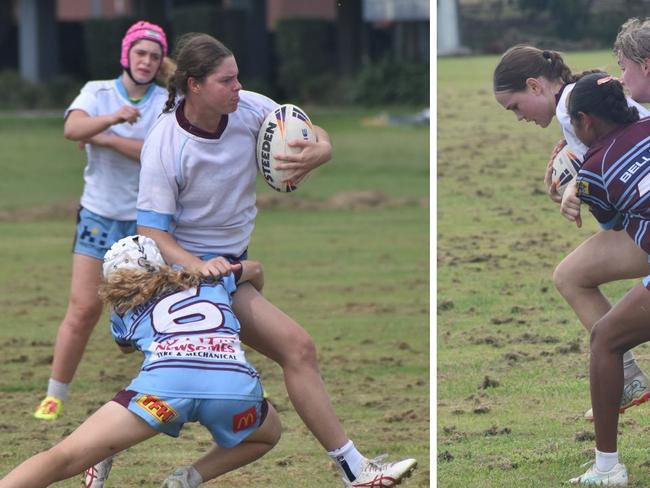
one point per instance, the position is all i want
(615, 181)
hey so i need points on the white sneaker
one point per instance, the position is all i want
(636, 391)
(617, 476)
(178, 479)
(95, 476)
(377, 474)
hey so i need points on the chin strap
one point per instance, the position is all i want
(128, 72)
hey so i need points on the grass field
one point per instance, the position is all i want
(347, 256)
(512, 358)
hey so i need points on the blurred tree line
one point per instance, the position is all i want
(305, 60)
(492, 26)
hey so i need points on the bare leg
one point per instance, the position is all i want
(625, 326)
(219, 460)
(109, 430)
(605, 257)
(269, 331)
(84, 311)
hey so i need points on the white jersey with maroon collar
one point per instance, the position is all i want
(110, 178)
(200, 186)
(562, 114)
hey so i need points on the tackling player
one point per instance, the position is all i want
(614, 181)
(194, 370)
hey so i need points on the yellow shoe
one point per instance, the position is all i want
(49, 409)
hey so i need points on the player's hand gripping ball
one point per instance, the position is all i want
(282, 126)
(565, 167)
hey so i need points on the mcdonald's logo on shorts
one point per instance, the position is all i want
(244, 420)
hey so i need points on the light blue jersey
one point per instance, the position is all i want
(190, 340)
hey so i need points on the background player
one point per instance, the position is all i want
(110, 118)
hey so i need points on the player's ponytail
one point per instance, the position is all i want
(126, 289)
(601, 95)
(522, 62)
(171, 98)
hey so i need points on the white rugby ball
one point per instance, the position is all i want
(565, 167)
(285, 124)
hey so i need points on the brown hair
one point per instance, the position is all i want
(633, 40)
(126, 289)
(522, 62)
(197, 55)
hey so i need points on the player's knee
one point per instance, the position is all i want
(601, 339)
(302, 351)
(563, 279)
(82, 317)
(62, 458)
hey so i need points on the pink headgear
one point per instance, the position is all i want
(138, 31)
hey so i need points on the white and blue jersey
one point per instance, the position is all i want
(190, 340)
(200, 186)
(110, 178)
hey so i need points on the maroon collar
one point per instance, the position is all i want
(197, 131)
(558, 95)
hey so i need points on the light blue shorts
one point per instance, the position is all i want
(229, 421)
(96, 234)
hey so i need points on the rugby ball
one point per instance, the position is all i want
(283, 125)
(565, 167)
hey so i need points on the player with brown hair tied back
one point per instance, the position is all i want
(109, 118)
(160, 311)
(197, 201)
(535, 85)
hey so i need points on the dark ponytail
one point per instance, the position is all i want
(601, 95)
(522, 62)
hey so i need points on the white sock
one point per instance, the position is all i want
(194, 478)
(605, 461)
(348, 459)
(630, 367)
(57, 389)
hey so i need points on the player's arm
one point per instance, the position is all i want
(312, 155)
(79, 126)
(253, 273)
(126, 146)
(175, 254)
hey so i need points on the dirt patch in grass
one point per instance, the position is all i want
(342, 201)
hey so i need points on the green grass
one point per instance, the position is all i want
(355, 276)
(499, 316)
